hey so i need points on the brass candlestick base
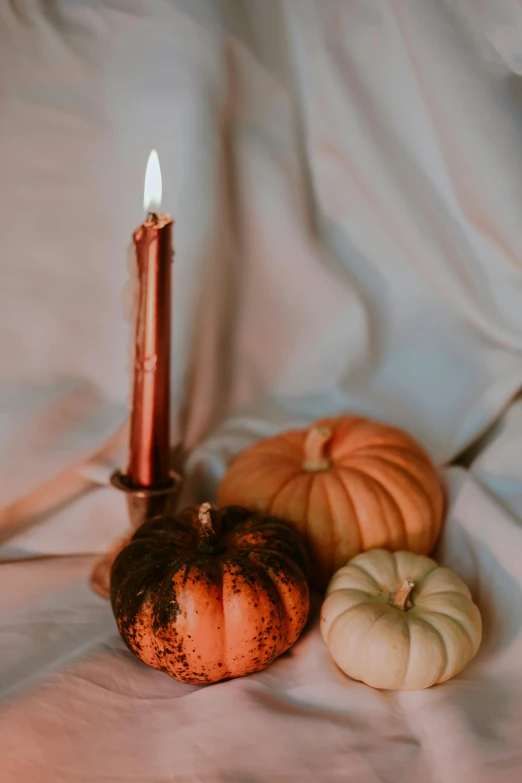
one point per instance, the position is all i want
(142, 504)
(145, 503)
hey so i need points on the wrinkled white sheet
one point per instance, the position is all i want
(346, 179)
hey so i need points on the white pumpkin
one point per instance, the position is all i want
(396, 620)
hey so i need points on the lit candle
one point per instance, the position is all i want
(149, 453)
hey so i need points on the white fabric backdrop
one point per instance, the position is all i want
(346, 179)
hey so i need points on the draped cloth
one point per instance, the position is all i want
(346, 180)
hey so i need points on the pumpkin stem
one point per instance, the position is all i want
(315, 457)
(206, 529)
(401, 597)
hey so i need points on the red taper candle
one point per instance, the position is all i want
(149, 452)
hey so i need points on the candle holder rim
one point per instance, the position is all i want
(121, 482)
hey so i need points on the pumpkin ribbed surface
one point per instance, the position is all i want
(211, 594)
(348, 484)
(396, 620)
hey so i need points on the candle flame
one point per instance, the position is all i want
(153, 187)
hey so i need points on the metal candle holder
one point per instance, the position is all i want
(142, 503)
(146, 502)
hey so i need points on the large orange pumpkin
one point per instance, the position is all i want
(348, 483)
(211, 594)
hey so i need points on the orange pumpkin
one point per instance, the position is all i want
(348, 484)
(211, 594)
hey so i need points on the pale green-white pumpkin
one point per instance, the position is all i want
(397, 620)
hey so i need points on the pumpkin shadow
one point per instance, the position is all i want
(312, 621)
(310, 625)
(485, 706)
(500, 629)
(497, 594)
(376, 744)
(316, 601)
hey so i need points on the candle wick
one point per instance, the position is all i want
(153, 217)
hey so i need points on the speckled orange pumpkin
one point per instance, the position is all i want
(212, 593)
(348, 484)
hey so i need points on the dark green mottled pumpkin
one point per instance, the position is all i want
(212, 593)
